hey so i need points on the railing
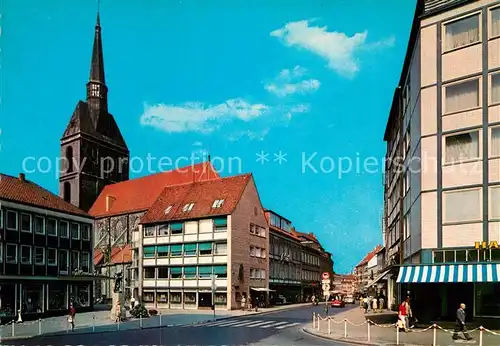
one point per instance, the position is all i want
(317, 321)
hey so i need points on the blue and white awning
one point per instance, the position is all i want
(449, 273)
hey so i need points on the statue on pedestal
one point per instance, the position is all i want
(117, 308)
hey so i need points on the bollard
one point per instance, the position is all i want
(329, 327)
(481, 329)
(368, 323)
(140, 320)
(93, 322)
(434, 336)
(314, 320)
(39, 326)
(13, 328)
(317, 323)
(67, 326)
(345, 327)
(397, 335)
(159, 313)
(118, 323)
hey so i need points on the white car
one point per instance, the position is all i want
(349, 300)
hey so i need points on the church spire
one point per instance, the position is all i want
(97, 65)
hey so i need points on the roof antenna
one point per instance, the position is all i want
(208, 166)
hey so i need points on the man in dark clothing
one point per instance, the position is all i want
(460, 323)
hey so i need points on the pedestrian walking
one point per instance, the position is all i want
(381, 303)
(460, 323)
(365, 304)
(243, 303)
(71, 316)
(403, 317)
(409, 313)
(374, 304)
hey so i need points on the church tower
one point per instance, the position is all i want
(93, 151)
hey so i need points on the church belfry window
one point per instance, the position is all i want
(67, 191)
(69, 159)
(95, 90)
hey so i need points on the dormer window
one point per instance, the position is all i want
(188, 207)
(217, 203)
(167, 210)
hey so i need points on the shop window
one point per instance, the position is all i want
(63, 229)
(205, 248)
(149, 251)
(39, 255)
(57, 297)
(32, 298)
(11, 220)
(220, 223)
(26, 223)
(205, 272)
(7, 299)
(85, 229)
(220, 271)
(26, 254)
(189, 298)
(63, 261)
(11, 252)
(148, 297)
(175, 297)
(189, 249)
(176, 273)
(39, 225)
(149, 273)
(52, 227)
(487, 299)
(80, 295)
(162, 297)
(163, 251)
(162, 272)
(163, 231)
(51, 257)
(176, 250)
(75, 231)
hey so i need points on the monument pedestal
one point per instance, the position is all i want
(117, 307)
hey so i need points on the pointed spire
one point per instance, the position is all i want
(97, 64)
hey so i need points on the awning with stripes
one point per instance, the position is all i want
(450, 273)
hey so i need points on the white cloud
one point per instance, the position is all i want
(337, 48)
(197, 144)
(289, 82)
(251, 135)
(195, 116)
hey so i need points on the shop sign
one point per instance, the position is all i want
(484, 245)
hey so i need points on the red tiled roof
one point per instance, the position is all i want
(21, 190)
(119, 255)
(98, 256)
(140, 193)
(202, 194)
(308, 236)
(370, 255)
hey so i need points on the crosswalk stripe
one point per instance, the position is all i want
(230, 323)
(260, 323)
(274, 325)
(288, 325)
(242, 324)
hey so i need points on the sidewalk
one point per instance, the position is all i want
(99, 321)
(357, 332)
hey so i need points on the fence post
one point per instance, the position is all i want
(329, 326)
(118, 324)
(397, 334)
(159, 313)
(314, 320)
(481, 329)
(67, 326)
(434, 336)
(93, 322)
(13, 328)
(368, 323)
(345, 327)
(140, 320)
(39, 326)
(317, 323)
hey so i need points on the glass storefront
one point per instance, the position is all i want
(80, 295)
(487, 300)
(57, 297)
(7, 299)
(32, 298)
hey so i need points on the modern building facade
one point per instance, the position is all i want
(201, 233)
(45, 252)
(444, 125)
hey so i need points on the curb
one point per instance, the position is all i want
(25, 337)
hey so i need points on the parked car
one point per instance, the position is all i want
(349, 300)
(337, 303)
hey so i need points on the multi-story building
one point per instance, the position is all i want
(445, 197)
(348, 284)
(365, 270)
(45, 251)
(285, 254)
(197, 230)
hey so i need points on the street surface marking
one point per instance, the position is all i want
(275, 324)
(242, 324)
(288, 325)
(259, 324)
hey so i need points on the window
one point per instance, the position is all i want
(220, 271)
(220, 223)
(75, 257)
(188, 207)
(1, 249)
(189, 272)
(176, 272)
(149, 231)
(220, 248)
(176, 228)
(205, 272)
(26, 254)
(495, 202)
(462, 32)
(39, 225)
(26, 223)
(176, 250)
(406, 230)
(11, 220)
(163, 251)
(149, 273)
(257, 273)
(163, 230)
(175, 297)
(462, 147)
(11, 252)
(148, 297)
(462, 205)
(51, 257)
(217, 203)
(495, 142)
(63, 229)
(495, 88)
(149, 251)
(75, 231)
(85, 229)
(167, 210)
(162, 272)
(462, 96)
(52, 227)
(162, 297)
(39, 255)
(449, 256)
(85, 262)
(205, 248)
(460, 256)
(189, 298)
(495, 22)
(189, 249)
(63, 260)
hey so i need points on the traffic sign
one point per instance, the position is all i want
(325, 287)
(325, 275)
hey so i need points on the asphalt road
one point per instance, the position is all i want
(277, 328)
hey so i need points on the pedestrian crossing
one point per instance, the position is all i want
(264, 324)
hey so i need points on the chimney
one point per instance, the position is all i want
(22, 177)
(109, 202)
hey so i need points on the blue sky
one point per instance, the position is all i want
(312, 79)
